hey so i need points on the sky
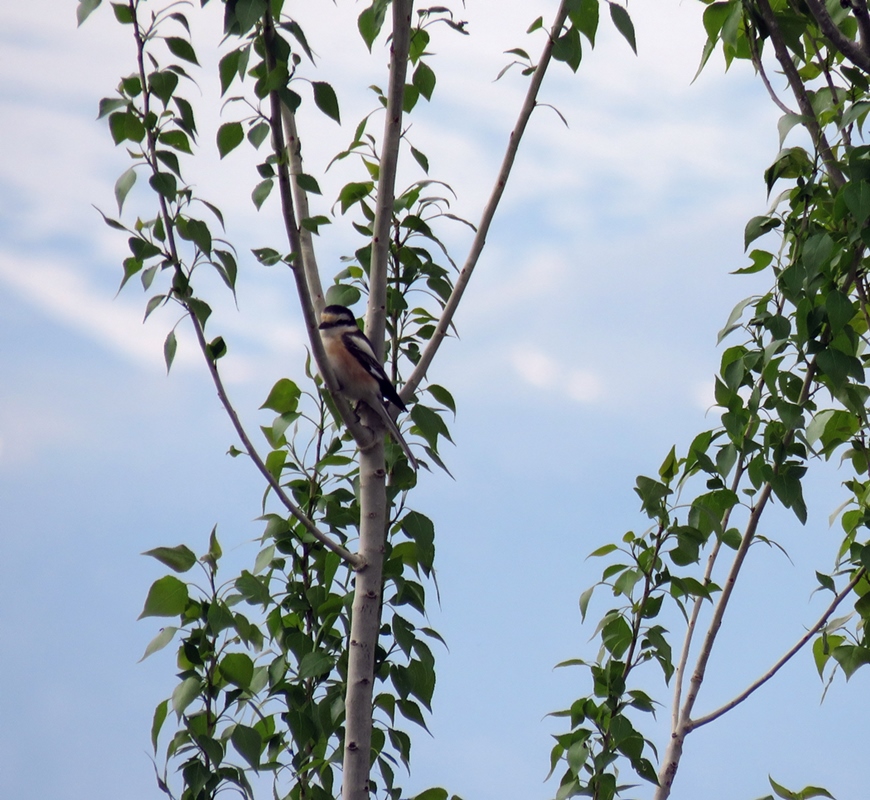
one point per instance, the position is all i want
(587, 349)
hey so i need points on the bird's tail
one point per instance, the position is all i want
(396, 434)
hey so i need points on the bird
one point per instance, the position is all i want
(357, 369)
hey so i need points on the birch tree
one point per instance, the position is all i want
(305, 665)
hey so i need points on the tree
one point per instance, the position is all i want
(791, 392)
(328, 629)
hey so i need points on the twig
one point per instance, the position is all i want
(859, 9)
(306, 242)
(363, 436)
(489, 210)
(799, 90)
(842, 42)
(680, 671)
(354, 560)
(697, 723)
(759, 66)
(387, 166)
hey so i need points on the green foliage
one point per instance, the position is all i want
(793, 389)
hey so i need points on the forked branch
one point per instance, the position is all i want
(697, 723)
(446, 320)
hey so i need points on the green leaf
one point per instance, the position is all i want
(326, 100)
(216, 348)
(123, 186)
(308, 184)
(185, 693)
(442, 396)
(568, 48)
(431, 794)
(585, 16)
(164, 184)
(126, 125)
(163, 84)
(411, 711)
(167, 597)
(857, 197)
(354, 192)
(616, 636)
(421, 530)
(342, 295)
(242, 15)
(249, 743)
(170, 345)
(623, 24)
(157, 723)
(229, 69)
(229, 137)
(237, 668)
(176, 139)
(757, 227)
(424, 80)
(258, 133)
(180, 558)
(122, 13)
(159, 641)
(284, 397)
(261, 191)
(85, 8)
(760, 261)
(421, 159)
(430, 424)
(371, 21)
(316, 664)
(181, 48)
(267, 256)
(253, 589)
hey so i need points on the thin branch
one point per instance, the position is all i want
(354, 560)
(697, 723)
(799, 90)
(843, 43)
(363, 436)
(859, 9)
(680, 671)
(387, 167)
(489, 210)
(306, 242)
(759, 66)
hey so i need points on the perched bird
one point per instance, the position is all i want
(357, 369)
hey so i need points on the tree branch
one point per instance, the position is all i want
(799, 90)
(300, 196)
(839, 39)
(697, 723)
(363, 436)
(859, 9)
(354, 560)
(674, 752)
(387, 167)
(489, 210)
(357, 561)
(365, 625)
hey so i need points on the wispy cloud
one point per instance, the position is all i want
(544, 372)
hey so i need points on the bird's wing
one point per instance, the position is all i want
(359, 345)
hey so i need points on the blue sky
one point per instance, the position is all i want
(588, 343)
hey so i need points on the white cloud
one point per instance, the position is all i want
(544, 372)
